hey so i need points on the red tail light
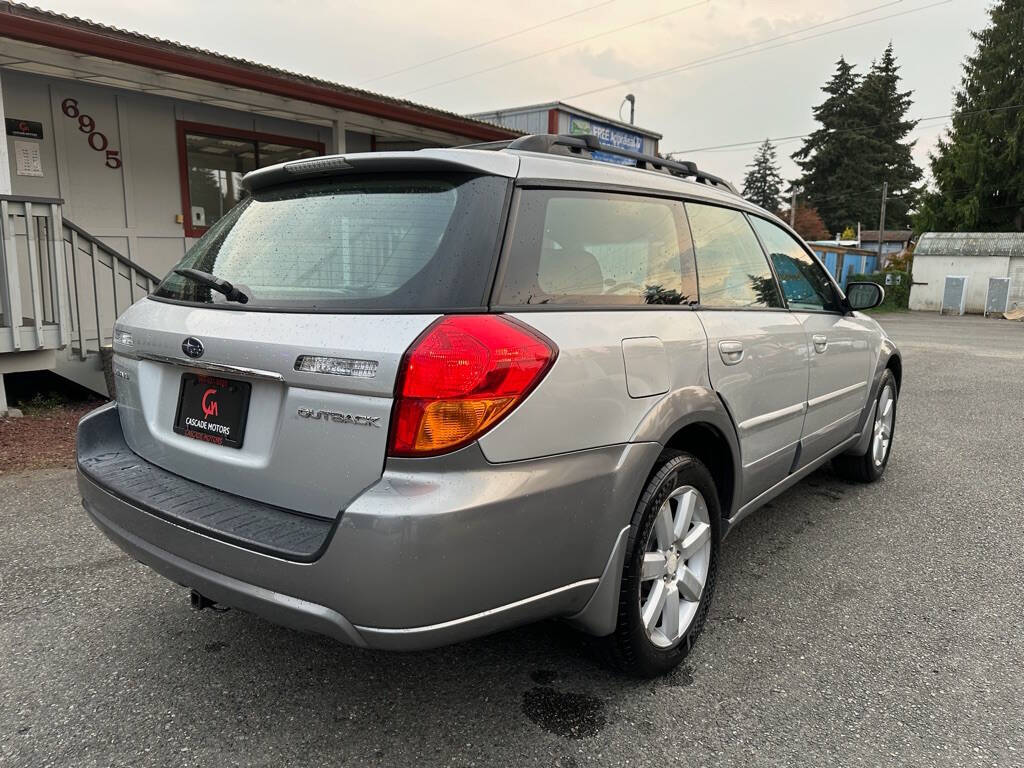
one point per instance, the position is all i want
(460, 378)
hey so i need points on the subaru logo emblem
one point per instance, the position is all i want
(192, 347)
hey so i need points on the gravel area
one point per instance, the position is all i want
(852, 625)
(41, 438)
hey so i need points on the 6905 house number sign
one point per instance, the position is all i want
(87, 125)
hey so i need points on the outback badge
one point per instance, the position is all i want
(340, 418)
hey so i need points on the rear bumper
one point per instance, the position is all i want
(438, 551)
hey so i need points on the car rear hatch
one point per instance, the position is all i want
(286, 399)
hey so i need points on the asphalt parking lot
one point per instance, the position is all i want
(852, 625)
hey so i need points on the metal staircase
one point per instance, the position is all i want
(60, 291)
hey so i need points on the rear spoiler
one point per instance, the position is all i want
(423, 160)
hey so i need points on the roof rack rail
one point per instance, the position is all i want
(549, 143)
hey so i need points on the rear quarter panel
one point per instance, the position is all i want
(584, 401)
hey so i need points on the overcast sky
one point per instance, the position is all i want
(736, 91)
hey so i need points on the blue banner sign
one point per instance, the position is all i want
(610, 135)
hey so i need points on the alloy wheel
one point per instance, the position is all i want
(677, 558)
(884, 418)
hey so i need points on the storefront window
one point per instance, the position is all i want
(215, 169)
(215, 166)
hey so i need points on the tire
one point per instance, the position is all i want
(653, 648)
(871, 466)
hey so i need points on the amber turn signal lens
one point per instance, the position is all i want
(449, 422)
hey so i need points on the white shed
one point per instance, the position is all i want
(975, 255)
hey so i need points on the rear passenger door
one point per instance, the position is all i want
(838, 344)
(610, 279)
(757, 350)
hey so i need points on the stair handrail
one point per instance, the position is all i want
(34, 199)
(112, 252)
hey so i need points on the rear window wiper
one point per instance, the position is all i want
(214, 282)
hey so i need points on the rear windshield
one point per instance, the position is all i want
(393, 242)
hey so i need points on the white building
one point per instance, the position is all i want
(121, 149)
(974, 255)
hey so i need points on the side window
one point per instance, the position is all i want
(804, 283)
(598, 249)
(731, 266)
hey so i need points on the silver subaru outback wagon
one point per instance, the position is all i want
(405, 399)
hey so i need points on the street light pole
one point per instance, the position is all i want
(632, 107)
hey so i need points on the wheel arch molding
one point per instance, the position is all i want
(694, 420)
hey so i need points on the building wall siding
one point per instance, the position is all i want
(132, 208)
(536, 121)
(532, 121)
(930, 274)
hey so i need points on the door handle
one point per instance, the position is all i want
(731, 352)
(820, 342)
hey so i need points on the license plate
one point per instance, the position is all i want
(212, 409)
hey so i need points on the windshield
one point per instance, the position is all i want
(382, 242)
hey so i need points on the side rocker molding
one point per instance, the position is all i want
(601, 613)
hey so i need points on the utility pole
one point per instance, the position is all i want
(792, 210)
(881, 224)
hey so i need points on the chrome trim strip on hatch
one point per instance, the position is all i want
(238, 370)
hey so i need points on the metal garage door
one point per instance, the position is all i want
(1017, 282)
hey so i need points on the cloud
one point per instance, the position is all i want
(606, 64)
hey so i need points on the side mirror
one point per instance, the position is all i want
(864, 295)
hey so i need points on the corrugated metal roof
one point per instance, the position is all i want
(970, 244)
(23, 10)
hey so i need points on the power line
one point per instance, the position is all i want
(727, 55)
(776, 143)
(520, 59)
(484, 44)
(713, 57)
(842, 130)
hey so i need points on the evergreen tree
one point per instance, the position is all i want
(884, 106)
(978, 168)
(834, 175)
(860, 144)
(763, 183)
